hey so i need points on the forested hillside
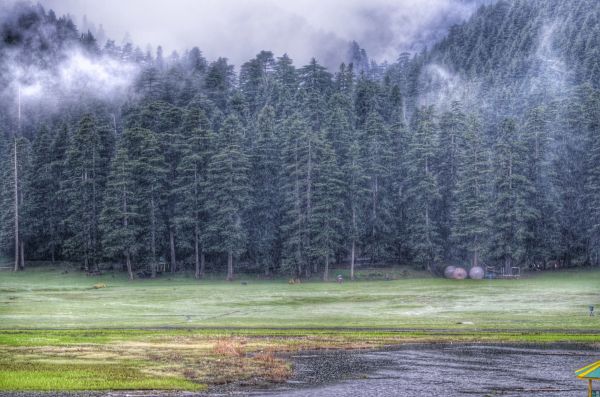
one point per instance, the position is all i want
(484, 149)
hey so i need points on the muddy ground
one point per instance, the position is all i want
(451, 370)
(420, 370)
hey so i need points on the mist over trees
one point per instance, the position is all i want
(484, 149)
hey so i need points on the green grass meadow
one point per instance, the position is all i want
(58, 332)
(49, 299)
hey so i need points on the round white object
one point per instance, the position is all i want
(476, 273)
(459, 273)
(449, 271)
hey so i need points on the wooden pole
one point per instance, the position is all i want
(590, 388)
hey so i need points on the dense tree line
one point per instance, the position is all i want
(292, 170)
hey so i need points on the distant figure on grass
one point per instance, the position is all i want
(340, 279)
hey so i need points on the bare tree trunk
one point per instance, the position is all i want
(16, 183)
(202, 262)
(22, 256)
(153, 237)
(475, 258)
(326, 271)
(125, 224)
(196, 254)
(309, 204)
(172, 246)
(230, 265)
(507, 265)
(298, 212)
(128, 263)
(352, 252)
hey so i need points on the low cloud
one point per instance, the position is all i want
(239, 29)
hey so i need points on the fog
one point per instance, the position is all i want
(238, 29)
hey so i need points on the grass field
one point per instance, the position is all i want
(58, 332)
(49, 299)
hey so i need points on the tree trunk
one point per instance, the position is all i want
(196, 254)
(128, 264)
(230, 265)
(202, 262)
(172, 247)
(309, 207)
(16, 186)
(326, 271)
(352, 252)
(507, 265)
(22, 256)
(153, 237)
(475, 258)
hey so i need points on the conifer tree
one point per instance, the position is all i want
(377, 156)
(592, 180)
(41, 188)
(87, 164)
(470, 226)
(120, 215)
(57, 206)
(297, 194)
(265, 214)
(452, 128)
(539, 245)
(326, 227)
(356, 196)
(399, 135)
(228, 181)
(192, 216)
(15, 168)
(510, 211)
(423, 190)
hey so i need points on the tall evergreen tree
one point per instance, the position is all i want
(87, 166)
(119, 218)
(470, 226)
(265, 214)
(298, 159)
(41, 189)
(326, 226)
(377, 156)
(228, 181)
(510, 210)
(192, 214)
(452, 128)
(424, 190)
(15, 168)
(592, 179)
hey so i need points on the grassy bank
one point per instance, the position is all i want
(58, 332)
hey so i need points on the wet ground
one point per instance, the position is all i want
(457, 370)
(417, 370)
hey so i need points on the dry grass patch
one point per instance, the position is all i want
(276, 369)
(230, 347)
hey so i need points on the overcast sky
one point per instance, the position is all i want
(238, 29)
